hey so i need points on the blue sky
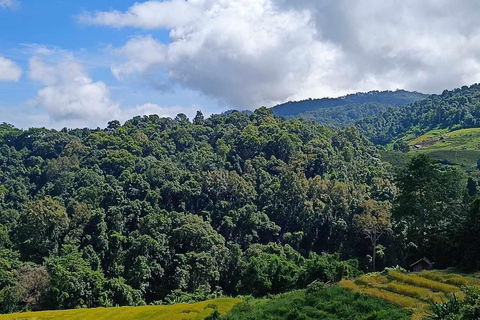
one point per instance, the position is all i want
(83, 63)
(31, 25)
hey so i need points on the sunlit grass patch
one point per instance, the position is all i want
(413, 291)
(373, 279)
(451, 278)
(423, 282)
(181, 311)
(417, 292)
(349, 285)
(392, 297)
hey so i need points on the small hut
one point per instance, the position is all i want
(422, 264)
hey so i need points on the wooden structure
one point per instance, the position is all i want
(422, 264)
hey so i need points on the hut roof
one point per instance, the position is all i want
(423, 259)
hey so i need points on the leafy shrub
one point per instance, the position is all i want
(449, 310)
(315, 287)
(332, 303)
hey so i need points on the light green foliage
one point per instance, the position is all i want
(332, 303)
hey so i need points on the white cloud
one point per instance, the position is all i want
(9, 70)
(9, 3)
(149, 15)
(69, 92)
(72, 98)
(143, 53)
(252, 52)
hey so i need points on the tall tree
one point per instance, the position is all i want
(374, 221)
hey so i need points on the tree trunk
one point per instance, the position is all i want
(374, 253)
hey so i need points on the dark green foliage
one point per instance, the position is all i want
(170, 210)
(351, 107)
(329, 304)
(343, 115)
(430, 210)
(166, 210)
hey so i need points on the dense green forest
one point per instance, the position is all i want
(161, 210)
(343, 111)
(345, 115)
(455, 109)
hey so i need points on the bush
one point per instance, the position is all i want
(449, 310)
(315, 287)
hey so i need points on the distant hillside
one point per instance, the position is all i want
(347, 109)
(342, 116)
(456, 109)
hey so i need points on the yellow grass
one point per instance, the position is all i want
(395, 298)
(347, 284)
(451, 278)
(423, 282)
(181, 311)
(414, 291)
(420, 293)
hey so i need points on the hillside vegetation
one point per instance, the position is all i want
(415, 291)
(332, 303)
(174, 210)
(181, 311)
(452, 110)
(343, 111)
(162, 211)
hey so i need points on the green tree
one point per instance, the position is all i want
(373, 221)
(43, 226)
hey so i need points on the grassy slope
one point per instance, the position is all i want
(459, 147)
(333, 303)
(178, 311)
(415, 291)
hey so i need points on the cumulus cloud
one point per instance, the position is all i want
(9, 70)
(9, 3)
(251, 52)
(69, 93)
(143, 53)
(72, 98)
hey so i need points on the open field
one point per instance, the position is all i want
(179, 311)
(459, 147)
(413, 291)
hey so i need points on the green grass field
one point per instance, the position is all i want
(413, 291)
(179, 311)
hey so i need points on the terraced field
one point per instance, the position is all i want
(181, 311)
(412, 291)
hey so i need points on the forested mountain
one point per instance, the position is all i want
(163, 209)
(456, 109)
(342, 116)
(342, 111)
